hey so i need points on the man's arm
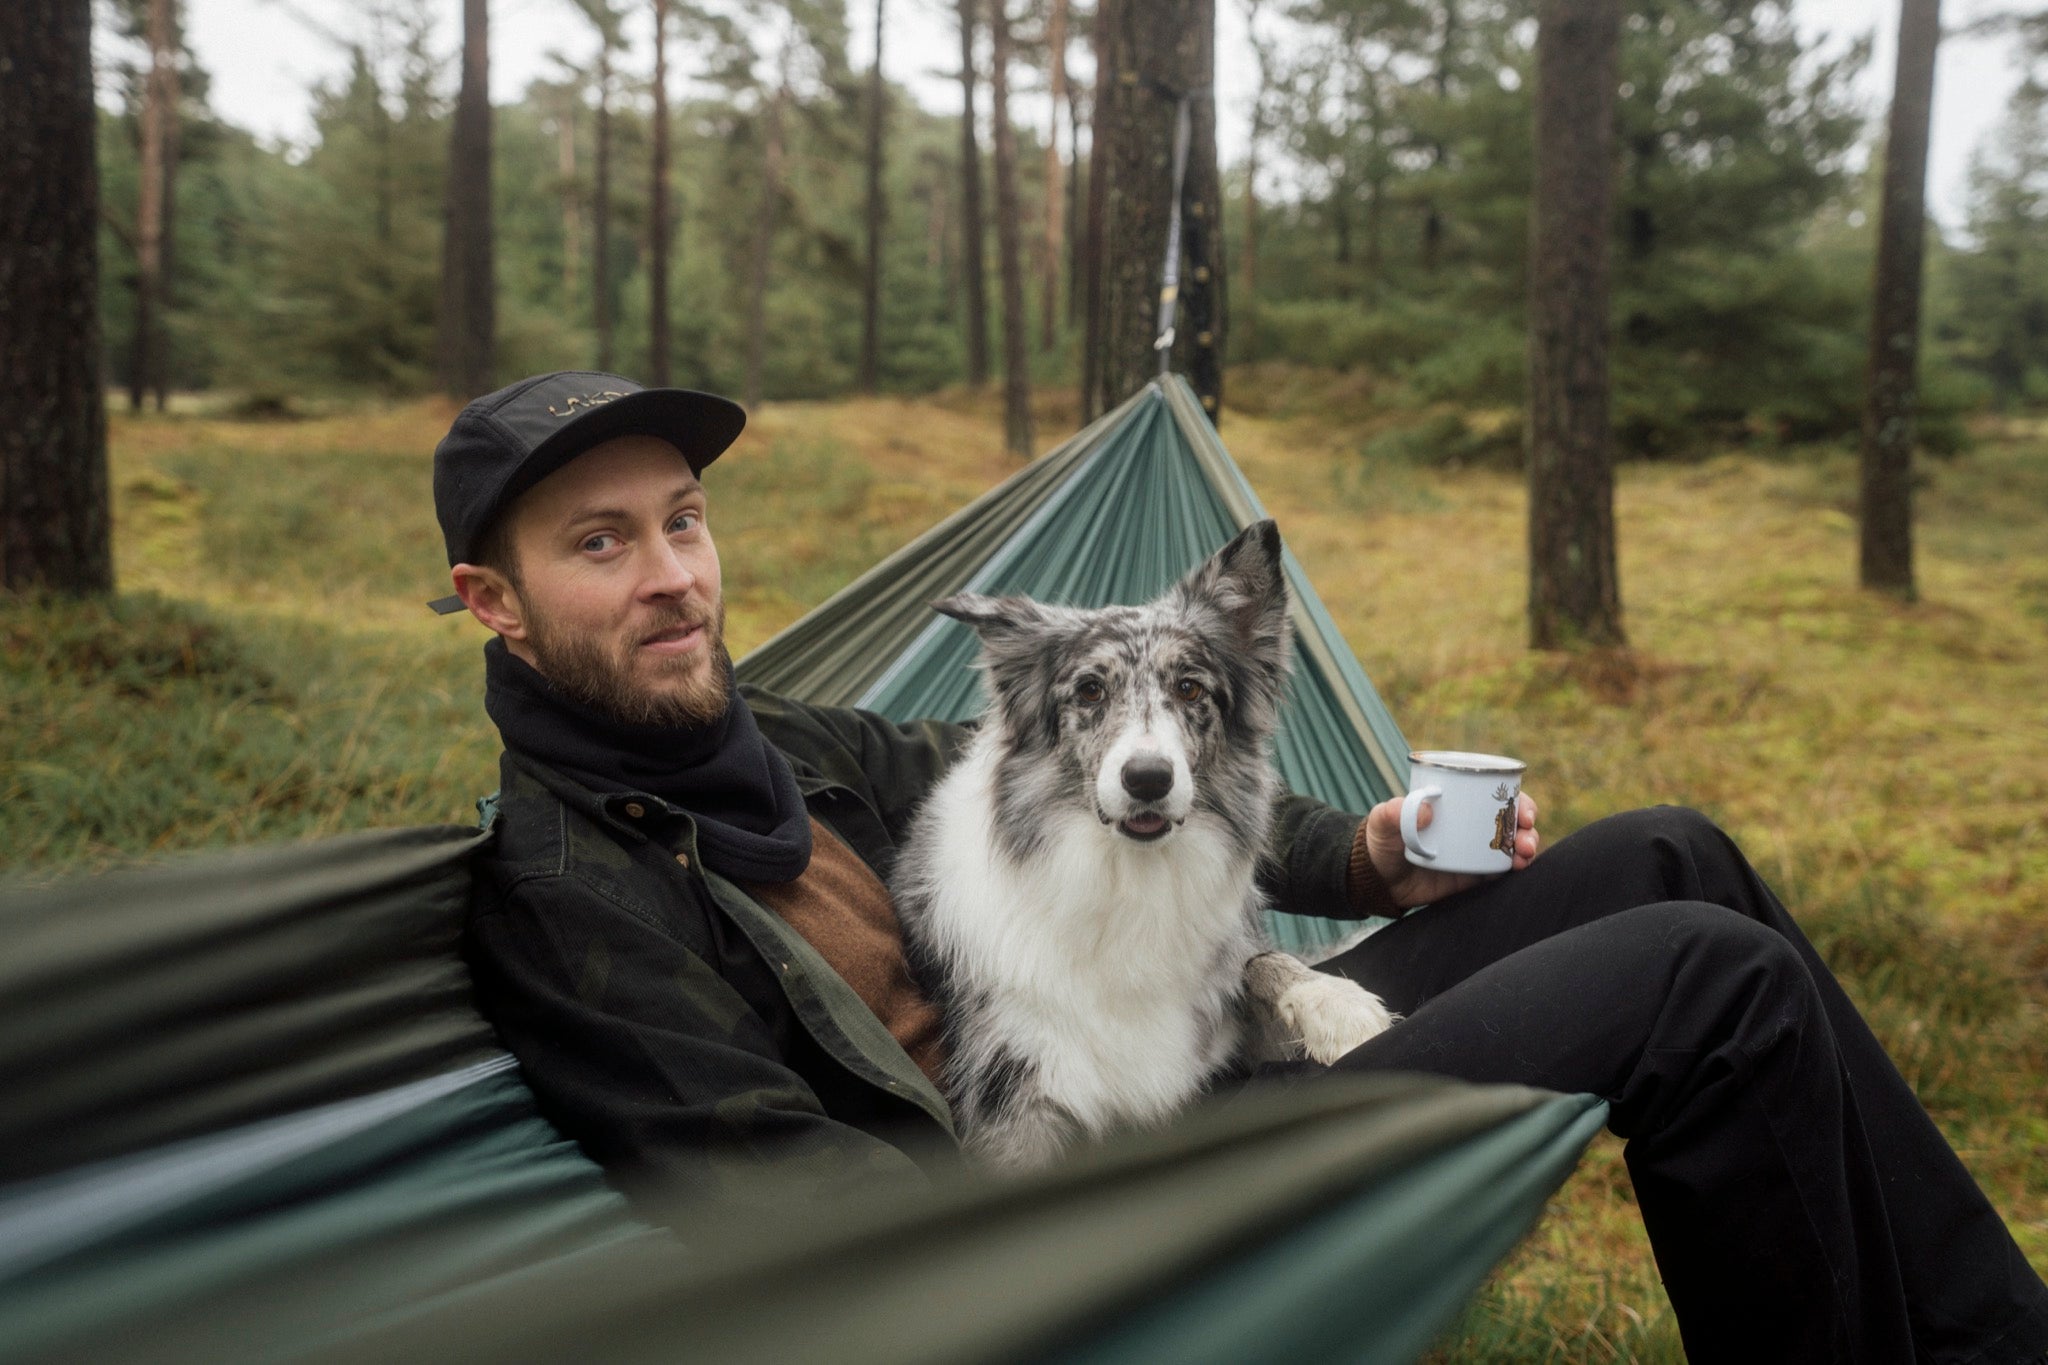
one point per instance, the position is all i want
(645, 1055)
(1328, 862)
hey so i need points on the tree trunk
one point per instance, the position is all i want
(1246, 321)
(1095, 296)
(1154, 53)
(871, 284)
(1203, 311)
(658, 228)
(763, 249)
(1890, 403)
(1075, 253)
(572, 209)
(1055, 210)
(159, 117)
(468, 285)
(55, 533)
(1009, 249)
(1574, 588)
(1432, 215)
(973, 270)
(601, 211)
(167, 248)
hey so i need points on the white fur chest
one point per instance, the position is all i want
(1106, 964)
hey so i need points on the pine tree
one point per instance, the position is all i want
(1574, 589)
(1009, 250)
(1886, 495)
(55, 529)
(468, 323)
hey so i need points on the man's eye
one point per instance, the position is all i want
(685, 521)
(1187, 689)
(598, 543)
(1089, 692)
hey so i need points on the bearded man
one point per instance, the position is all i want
(682, 932)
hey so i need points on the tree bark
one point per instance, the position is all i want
(167, 248)
(877, 210)
(658, 226)
(1009, 250)
(601, 210)
(572, 209)
(468, 284)
(1574, 588)
(1892, 396)
(1075, 192)
(763, 249)
(468, 305)
(1154, 53)
(1246, 322)
(1199, 349)
(973, 269)
(1432, 214)
(55, 532)
(1055, 209)
(158, 122)
(1094, 294)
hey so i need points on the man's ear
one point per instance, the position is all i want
(491, 599)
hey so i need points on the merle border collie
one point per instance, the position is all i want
(1078, 893)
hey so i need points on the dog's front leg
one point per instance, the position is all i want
(1007, 1119)
(1028, 1136)
(1298, 1010)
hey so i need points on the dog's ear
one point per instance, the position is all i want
(994, 619)
(1245, 584)
(1018, 639)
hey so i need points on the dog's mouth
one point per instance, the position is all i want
(1144, 826)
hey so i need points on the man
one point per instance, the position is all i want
(685, 936)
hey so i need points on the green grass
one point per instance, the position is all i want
(269, 672)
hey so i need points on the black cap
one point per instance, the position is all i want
(506, 442)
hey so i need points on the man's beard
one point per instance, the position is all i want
(603, 676)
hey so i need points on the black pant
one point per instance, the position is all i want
(1802, 1205)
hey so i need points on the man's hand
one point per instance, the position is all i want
(1410, 885)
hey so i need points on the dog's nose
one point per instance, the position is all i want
(1148, 777)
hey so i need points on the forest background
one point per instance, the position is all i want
(1388, 141)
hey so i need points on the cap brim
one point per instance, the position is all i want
(700, 425)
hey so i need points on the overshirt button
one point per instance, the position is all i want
(635, 810)
(683, 858)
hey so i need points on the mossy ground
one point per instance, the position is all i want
(269, 671)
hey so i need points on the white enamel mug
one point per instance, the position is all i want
(1472, 818)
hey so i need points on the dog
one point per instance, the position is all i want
(1078, 894)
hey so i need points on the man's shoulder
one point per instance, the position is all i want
(854, 747)
(549, 826)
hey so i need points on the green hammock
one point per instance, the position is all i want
(1116, 514)
(248, 1109)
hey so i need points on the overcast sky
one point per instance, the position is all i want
(264, 59)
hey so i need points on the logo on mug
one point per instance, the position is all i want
(1504, 821)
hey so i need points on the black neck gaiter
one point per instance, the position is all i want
(751, 821)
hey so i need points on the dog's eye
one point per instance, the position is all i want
(1187, 689)
(1088, 692)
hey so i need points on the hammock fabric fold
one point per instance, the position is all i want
(248, 1109)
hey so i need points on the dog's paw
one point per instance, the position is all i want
(1328, 1016)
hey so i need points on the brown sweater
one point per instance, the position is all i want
(843, 910)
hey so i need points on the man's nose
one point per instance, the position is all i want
(668, 573)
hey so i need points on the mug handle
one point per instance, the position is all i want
(1411, 807)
